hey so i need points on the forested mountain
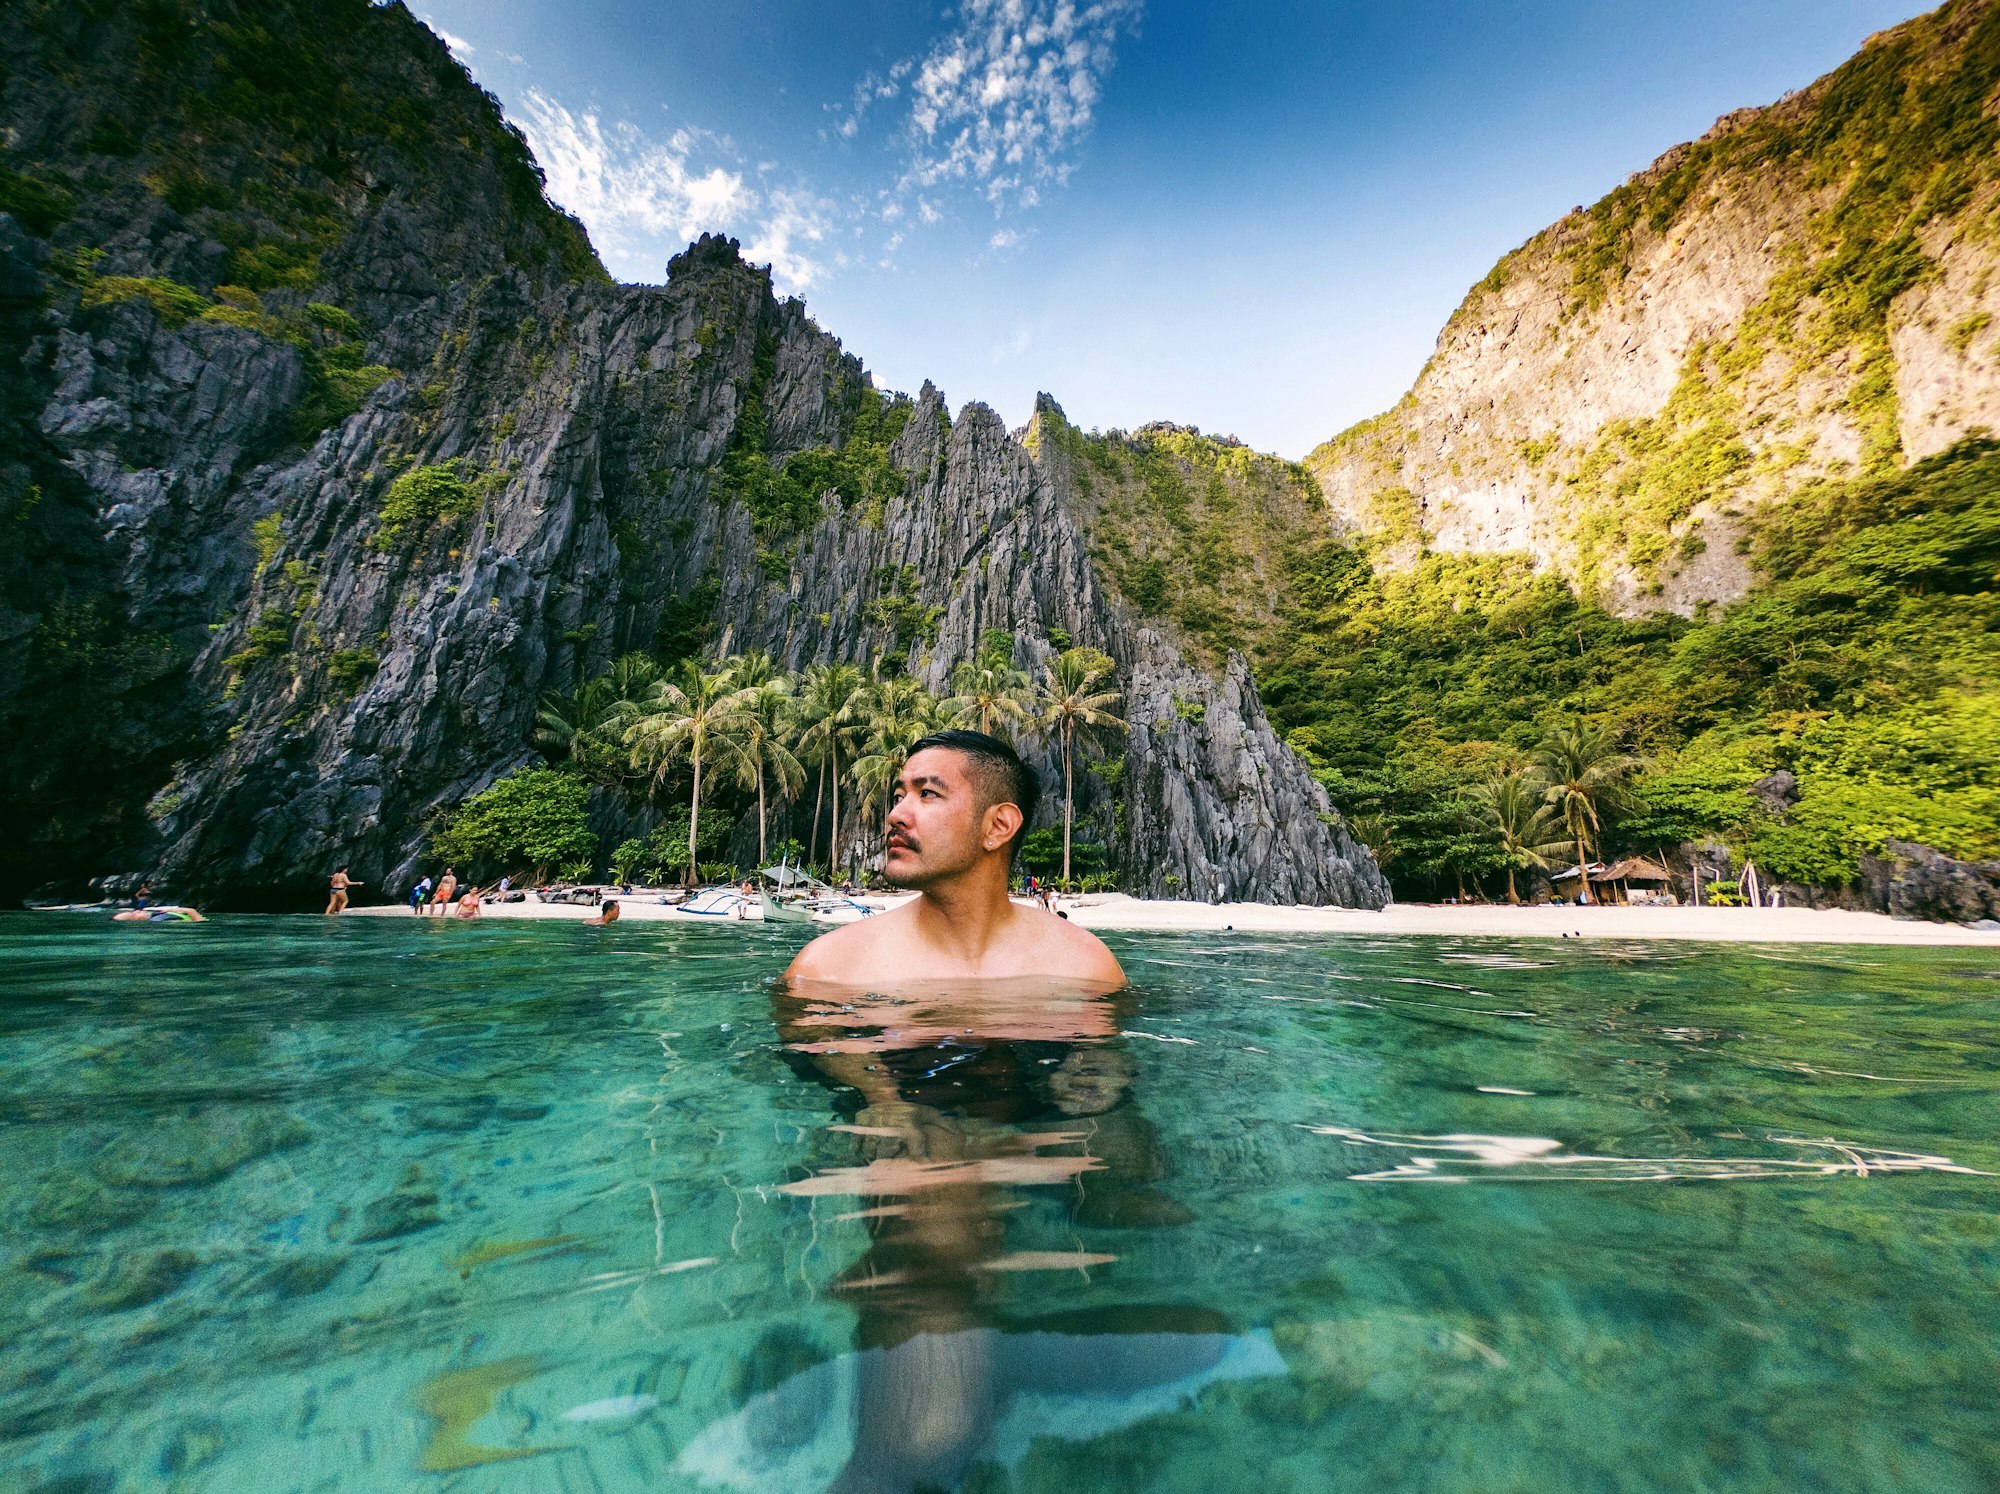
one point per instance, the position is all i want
(1704, 471)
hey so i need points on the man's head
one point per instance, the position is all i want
(962, 797)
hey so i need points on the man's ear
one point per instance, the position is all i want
(1002, 821)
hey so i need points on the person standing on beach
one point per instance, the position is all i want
(960, 809)
(337, 902)
(447, 888)
(417, 895)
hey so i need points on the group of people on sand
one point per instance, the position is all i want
(447, 898)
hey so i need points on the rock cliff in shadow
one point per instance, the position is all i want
(330, 449)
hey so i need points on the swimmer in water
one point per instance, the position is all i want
(960, 809)
(164, 913)
(608, 914)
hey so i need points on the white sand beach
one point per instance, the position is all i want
(1109, 911)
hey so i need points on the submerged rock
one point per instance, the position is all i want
(397, 1214)
(197, 1149)
(134, 1280)
(298, 1276)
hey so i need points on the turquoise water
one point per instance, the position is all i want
(367, 1205)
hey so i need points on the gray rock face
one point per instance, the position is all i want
(606, 521)
(1912, 881)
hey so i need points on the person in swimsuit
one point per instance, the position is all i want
(447, 891)
(468, 905)
(337, 902)
(164, 913)
(966, 1034)
(607, 914)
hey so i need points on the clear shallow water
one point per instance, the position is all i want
(294, 1204)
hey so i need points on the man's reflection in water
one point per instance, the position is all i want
(957, 1102)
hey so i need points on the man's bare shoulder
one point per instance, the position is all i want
(850, 952)
(1083, 955)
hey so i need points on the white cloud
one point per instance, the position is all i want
(643, 198)
(997, 103)
(1006, 238)
(458, 44)
(790, 221)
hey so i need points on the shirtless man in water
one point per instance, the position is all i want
(961, 809)
(969, 1038)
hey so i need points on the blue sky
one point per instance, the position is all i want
(1253, 219)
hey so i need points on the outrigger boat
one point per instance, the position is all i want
(799, 898)
(803, 898)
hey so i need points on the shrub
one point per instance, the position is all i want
(351, 668)
(171, 301)
(627, 859)
(537, 817)
(424, 495)
(268, 638)
(37, 205)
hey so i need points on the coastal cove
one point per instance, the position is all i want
(593, 898)
(352, 501)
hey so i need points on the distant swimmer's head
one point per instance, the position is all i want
(962, 797)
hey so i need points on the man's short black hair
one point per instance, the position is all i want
(998, 771)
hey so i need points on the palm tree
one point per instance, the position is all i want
(697, 714)
(1512, 806)
(1585, 773)
(829, 708)
(896, 712)
(1071, 705)
(753, 669)
(985, 691)
(586, 725)
(761, 749)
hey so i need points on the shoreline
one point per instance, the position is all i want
(1119, 912)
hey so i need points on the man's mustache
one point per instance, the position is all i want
(898, 838)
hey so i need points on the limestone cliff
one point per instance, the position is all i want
(1806, 291)
(332, 448)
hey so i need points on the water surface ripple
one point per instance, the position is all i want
(367, 1205)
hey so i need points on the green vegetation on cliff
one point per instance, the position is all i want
(1822, 212)
(1189, 527)
(784, 494)
(1863, 664)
